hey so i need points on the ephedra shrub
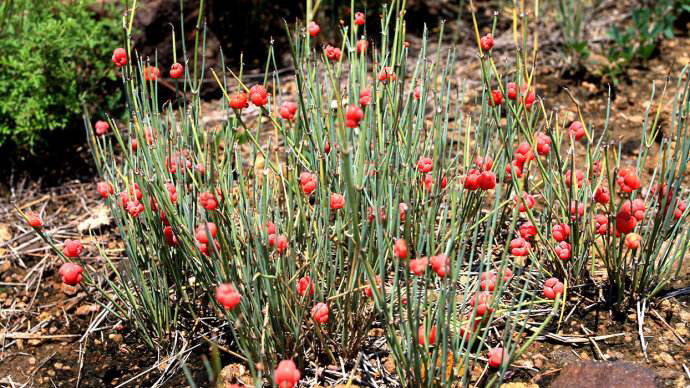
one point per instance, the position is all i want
(369, 198)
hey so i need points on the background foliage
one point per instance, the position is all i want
(54, 56)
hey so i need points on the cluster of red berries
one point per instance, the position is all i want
(304, 285)
(205, 236)
(227, 296)
(209, 200)
(481, 177)
(488, 280)
(308, 182)
(353, 115)
(279, 242)
(332, 53)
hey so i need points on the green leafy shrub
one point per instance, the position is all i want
(639, 41)
(54, 56)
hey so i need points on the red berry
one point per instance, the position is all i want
(319, 313)
(579, 175)
(101, 127)
(487, 180)
(487, 42)
(72, 248)
(425, 164)
(34, 219)
(203, 231)
(527, 230)
(552, 288)
(680, 209)
(421, 335)
(208, 201)
(523, 153)
(286, 374)
(304, 285)
(625, 221)
(441, 265)
(487, 281)
(172, 192)
(227, 296)
(120, 57)
(169, 236)
(176, 70)
(400, 249)
(577, 210)
(332, 53)
(513, 167)
(495, 357)
(632, 241)
(281, 244)
(560, 232)
(387, 74)
(364, 97)
(382, 215)
(472, 180)
(238, 101)
(353, 115)
(402, 208)
(368, 291)
(563, 250)
(313, 29)
(258, 95)
(105, 189)
(288, 110)
(429, 182)
(481, 302)
(628, 179)
(417, 93)
(519, 247)
(511, 91)
(496, 97)
(308, 182)
(151, 73)
(602, 195)
(525, 201)
(418, 266)
(270, 228)
(359, 18)
(327, 147)
(543, 143)
(337, 201)
(135, 208)
(601, 224)
(484, 163)
(638, 208)
(71, 273)
(577, 130)
(529, 100)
